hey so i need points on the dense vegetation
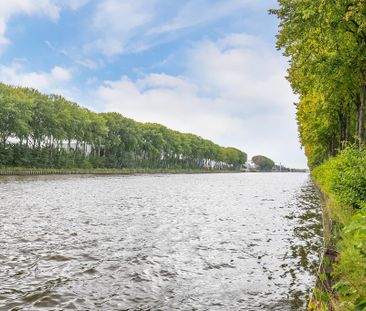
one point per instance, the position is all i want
(326, 44)
(38, 130)
(263, 163)
(325, 41)
(343, 178)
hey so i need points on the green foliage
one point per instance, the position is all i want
(326, 45)
(325, 42)
(344, 179)
(351, 266)
(47, 131)
(321, 301)
(263, 163)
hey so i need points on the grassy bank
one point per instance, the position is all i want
(342, 278)
(127, 171)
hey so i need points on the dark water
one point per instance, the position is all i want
(173, 242)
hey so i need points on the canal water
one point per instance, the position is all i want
(246, 241)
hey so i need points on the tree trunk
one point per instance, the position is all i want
(347, 129)
(360, 113)
(341, 130)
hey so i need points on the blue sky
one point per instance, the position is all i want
(209, 67)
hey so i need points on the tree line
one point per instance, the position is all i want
(325, 41)
(39, 130)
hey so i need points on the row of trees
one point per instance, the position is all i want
(38, 130)
(325, 41)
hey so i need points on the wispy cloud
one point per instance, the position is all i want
(8, 9)
(198, 12)
(72, 4)
(117, 22)
(76, 58)
(133, 26)
(48, 8)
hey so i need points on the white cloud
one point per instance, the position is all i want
(72, 4)
(167, 82)
(174, 103)
(45, 7)
(60, 74)
(238, 40)
(240, 67)
(58, 80)
(233, 91)
(3, 41)
(88, 63)
(74, 55)
(49, 82)
(196, 12)
(121, 16)
(8, 9)
(116, 21)
(132, 26)
(48, 8)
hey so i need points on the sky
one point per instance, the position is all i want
(208, 67)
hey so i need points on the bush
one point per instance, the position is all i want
(343, 178)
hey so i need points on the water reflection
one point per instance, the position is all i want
(306, 248)
(176, 242)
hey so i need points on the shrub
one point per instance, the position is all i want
(343, 178)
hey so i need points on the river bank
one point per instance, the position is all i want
(323, 291)
(341, 283)
(127, 171)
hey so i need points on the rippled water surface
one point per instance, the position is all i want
(168, 242)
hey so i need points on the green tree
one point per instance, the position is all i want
(49, 131)
(263, 163)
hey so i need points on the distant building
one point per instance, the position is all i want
(280, 168)
(277, 168)
(250, 167)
